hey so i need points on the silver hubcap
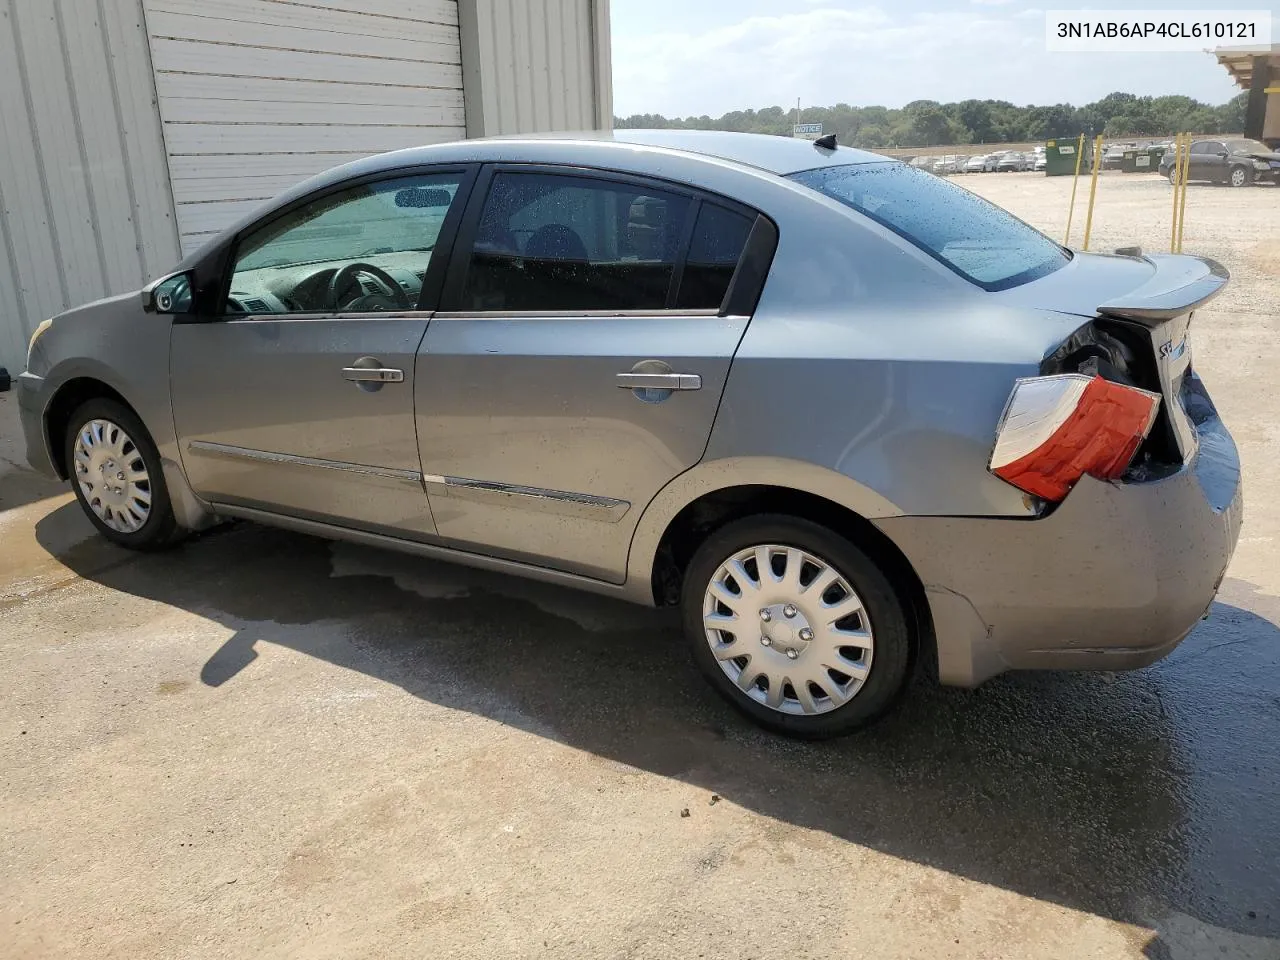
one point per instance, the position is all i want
(112, 476)
(788, 629)
(1237, 177)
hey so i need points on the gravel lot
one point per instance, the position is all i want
(265, 745)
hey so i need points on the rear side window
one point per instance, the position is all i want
(978, 240)
(719, 237)
(547, 242)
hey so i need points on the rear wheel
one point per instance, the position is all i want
(795, 626)
(115, 470)
(1238, 177)
(1173, 176)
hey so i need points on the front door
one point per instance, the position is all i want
(1205, 164)
(299, 398)
(581, 364)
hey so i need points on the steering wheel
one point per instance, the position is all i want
(390, 290)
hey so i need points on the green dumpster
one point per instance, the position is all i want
(1149, 160)
(1060, 157)
(1129, 161)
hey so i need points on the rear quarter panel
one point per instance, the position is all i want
(870, 375)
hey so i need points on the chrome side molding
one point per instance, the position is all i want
(585, 506)
(266, 456)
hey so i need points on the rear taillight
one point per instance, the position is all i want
(1056, 429)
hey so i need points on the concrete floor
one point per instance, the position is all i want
(265, 745)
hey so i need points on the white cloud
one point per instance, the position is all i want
(991, 3)
(865, 55)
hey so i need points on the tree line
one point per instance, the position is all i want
(928, 123)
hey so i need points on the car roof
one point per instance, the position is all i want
(756, 152)
(774, 154)
(781, 155)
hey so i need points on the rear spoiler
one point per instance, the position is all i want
(1179, 285)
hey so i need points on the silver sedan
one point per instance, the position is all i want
(853, 420)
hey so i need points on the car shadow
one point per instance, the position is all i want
(1106, 794)
(20, 486)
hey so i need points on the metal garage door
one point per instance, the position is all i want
(256, 95)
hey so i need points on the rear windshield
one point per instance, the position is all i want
(978, 240)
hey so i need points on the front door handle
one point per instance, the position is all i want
(373, 374)
(659, 381)
(370, 374)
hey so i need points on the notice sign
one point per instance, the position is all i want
(807, 131)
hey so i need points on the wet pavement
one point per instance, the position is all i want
(1148, 800)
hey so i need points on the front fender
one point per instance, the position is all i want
(127, 352)
(711, 476)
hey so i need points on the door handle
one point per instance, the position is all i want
(659, 381)
(373, 374)
(370, 374)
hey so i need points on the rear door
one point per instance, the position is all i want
(585, 337)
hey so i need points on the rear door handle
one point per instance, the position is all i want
(659, 381)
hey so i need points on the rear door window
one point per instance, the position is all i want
(558, 242)
(719, 237)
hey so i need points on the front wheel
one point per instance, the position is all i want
(115, 469)
(795, 626)
(1239, 177)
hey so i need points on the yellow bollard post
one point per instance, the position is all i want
(1177, 188)
(1182, 203)
(1075, 182)
(1093, 189)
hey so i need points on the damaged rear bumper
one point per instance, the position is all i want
(1114, 578)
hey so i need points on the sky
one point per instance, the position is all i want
(694, 57)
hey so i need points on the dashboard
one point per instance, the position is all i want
(305, 287)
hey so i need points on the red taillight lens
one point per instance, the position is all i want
(1056, 429)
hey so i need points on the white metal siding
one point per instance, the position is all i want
(85, 208)
(536, 65)
(259, 94)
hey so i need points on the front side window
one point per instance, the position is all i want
(551, 242)
(361, 250)
(978, 240)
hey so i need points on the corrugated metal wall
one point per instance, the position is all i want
(536, 65)
(254, 95)
(259, 94)
(85, 209)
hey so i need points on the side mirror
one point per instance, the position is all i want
(1223, 153)
(169, 295)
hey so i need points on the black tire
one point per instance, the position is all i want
(893, 644)
(160, 528)
(1245, 178)
(1173, 177)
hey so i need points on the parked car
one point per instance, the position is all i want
(979, 164)
(847, 416)
(1012, 162)
(1234, 161)
(1113, 157)
(929, 164)
(951, 163)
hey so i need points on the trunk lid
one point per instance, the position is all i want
(1146, 303)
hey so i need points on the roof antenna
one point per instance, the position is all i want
(826, 143)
